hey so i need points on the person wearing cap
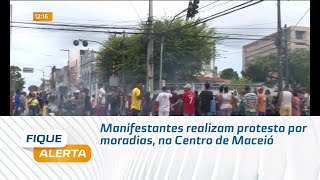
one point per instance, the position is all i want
(188, 99)
(261, 102)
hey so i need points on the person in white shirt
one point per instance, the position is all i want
(101, 106)
(285, 102)
(164, 102)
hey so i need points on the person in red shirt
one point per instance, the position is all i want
(188, 99)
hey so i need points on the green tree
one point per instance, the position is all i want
(239, 83)
(299, 67)
(184, 54)
(16, 80)
(259, 70)
(229, 73)
(33, 88)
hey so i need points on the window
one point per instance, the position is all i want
(299, 34)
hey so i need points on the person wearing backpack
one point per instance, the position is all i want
(164, 102)
(146, 105)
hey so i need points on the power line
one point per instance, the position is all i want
(76, 25)
(215, 15)
(136, 11)
(300, 19)
(208, 4)
(216, 7)
(118, 32)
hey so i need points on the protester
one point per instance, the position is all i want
(93, 105)
(34, 106)
(284, 103)
(305, 102)
(206, 98)
(136, 99)
(250, 102)
(40, 99)
(188, 99)
(87, 103)
(114, 101)
(155, 106)
(128, 105)
(17, 103)
(101, 106)
(173, 100)
(226, 101)
(164, 102)
(296, 103)
(146, 105)
(269, 111)
(213, 107)
(45, 109)
(24, 104)
(12, 105)
(121, 99)
(274, 108)
(261, 102)
(241, 107)
(197, 104)
(219, 100)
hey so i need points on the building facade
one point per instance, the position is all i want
(88, 72)
(62, 81)
(298, 37)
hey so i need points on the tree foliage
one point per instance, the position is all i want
(184, 54)
(239, 83)
(261, 69)
(229, 73)
(299, 68)
(16, 80)
(33, 88)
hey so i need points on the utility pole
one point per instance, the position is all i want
(162, 43)
(279, 47)
(161, 52)
(150, 50)
(286, 55)
(123, 36)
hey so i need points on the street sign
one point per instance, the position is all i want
(27, 70)
(114, 80)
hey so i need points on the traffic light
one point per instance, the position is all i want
(189, 13)
(195, 7)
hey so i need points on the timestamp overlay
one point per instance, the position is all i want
(42, 16)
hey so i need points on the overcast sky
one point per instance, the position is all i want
(41, 48)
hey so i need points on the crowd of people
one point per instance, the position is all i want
(32, 104)
(251, 102)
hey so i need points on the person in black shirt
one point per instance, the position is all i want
(206, 96)
(115, 104)
(173, 100)
(87, 103)
(121, 100)
(197, 104)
